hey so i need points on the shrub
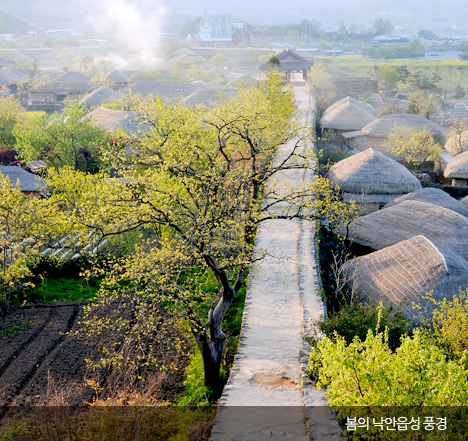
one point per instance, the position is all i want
(355, 320)
(369, 373)
(450, 322)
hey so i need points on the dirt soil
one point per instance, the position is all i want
(42, 364)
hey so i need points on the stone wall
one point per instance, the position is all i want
(355, 87)
(43, 106)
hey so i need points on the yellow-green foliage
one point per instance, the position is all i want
(368, 373)
(450, 321)
(198, 178)
(323, 88)
(416, 145)
(191, 71)
(19, 221)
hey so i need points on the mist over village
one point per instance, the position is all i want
(233, 221)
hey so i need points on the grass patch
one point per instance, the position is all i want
(59, 290)
(11, 328)
(195, 393)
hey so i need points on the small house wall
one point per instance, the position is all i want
(43, 96)
(460, 182)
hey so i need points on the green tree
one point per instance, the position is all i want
(323, 88)
(459, 136)
(199, 178)
(387, 77)
(191, 27)
(18, 221)
(62, 140)
(423, 103)
(458, 92)
(11, 112)
(427, 35)
(342, 31)
(382, 26)
(415, 144)
(218, 60)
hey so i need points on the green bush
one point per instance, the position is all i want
(355, 320)
(369, 373)
(450, 322)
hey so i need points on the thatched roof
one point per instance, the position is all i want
(207, 97)
(383, 228)
(457, 144)
(382, 127)
(27, 181)
(405, 272)
(199, 59)
(164, 89)
(112, 120)
(73, 77)
(433, 196)
(183, 51)
(457, 167)
(8, 77)
(464, 201)
(183, 57)
(244, 80)
(372, 173)
(348, 99)
(375, 100)
(52, 74)
(117, 76)
(68, 82)
(347, 117)
(95, 98)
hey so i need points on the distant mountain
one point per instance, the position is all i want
(416, 14)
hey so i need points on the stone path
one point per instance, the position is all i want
(267, 396)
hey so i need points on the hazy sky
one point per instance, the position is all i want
(125, 15)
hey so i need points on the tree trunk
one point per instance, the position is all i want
(212, 356)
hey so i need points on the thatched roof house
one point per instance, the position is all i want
(457, 144)
(349, 99)
(405, 272)
(371, 177)
(29, 183)
(95, 98)
(119, 78)
(433, 196)
(375, 100)
(112, 120)
(378, 130)
(445, 228)
(346, 118)
(183, 51)
(208, 97)
(69, 85)
(10, 80)
(162, 88)
(464, 201)
(9, 77)
(457, 170)
(244, 80)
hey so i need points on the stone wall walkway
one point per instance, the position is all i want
(267, 396)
